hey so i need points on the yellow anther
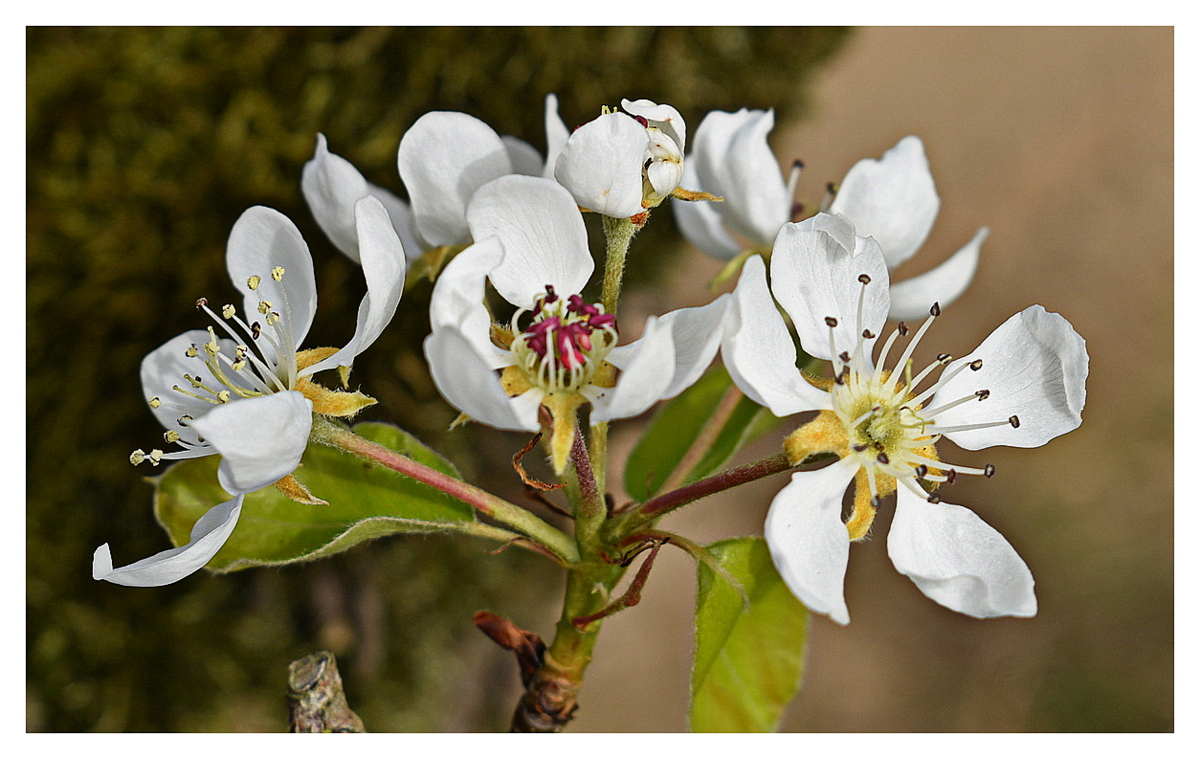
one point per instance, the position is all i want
(228, 311)
(238, 365)
(252, 283)
(223, 396)
(277, 273)
(155, 457)
(191, 352)
(137, 457)
(264, 307)
(155, 402)
(273, 318)
(171, 436)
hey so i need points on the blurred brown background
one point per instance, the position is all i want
(144, 145)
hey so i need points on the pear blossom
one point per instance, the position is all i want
(446, 156)
(558, 352)
(1023, 386)
(248, 395)
(892, 199)
(625, 162)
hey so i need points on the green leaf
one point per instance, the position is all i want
(366, 501)
(749, 658)
(680, 422)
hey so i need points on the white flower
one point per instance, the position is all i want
(446, 156)
(1023, 386)
(558, 352)
(248, 396)
(892, 200)
(331, 186)
(623, 163)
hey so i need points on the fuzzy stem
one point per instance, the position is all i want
(731, 478)
(336, 436)
(617, 233)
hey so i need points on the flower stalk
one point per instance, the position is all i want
(336, 436)
(618, 233)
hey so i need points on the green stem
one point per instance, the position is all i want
(617, 233)
(336, 436)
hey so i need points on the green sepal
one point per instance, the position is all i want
(677, 425)
(749, 655)
(365, 501)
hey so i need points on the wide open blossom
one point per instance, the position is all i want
(1023, 386)
(892, 200)
(445, 156)
(247, 395)
(558, 352)
(624, 162)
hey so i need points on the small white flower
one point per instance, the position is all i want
(247, 396)
(446, 156)
(625, 162)
(558, 352)
(892, 200)
(1023, 386)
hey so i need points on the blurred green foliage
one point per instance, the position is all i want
(143, 147)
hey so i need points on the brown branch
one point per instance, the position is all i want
(316, 702)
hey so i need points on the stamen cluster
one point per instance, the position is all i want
(565, 343)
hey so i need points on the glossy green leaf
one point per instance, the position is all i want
(366, 501)
(680, 422)
(749, 657)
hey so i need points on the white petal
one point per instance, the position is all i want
(260, 440)
(402, 221)
(208, 535)
(601, 165)
(642, 380)
(696, 334)
(262, 239)
(556, 135)
(444, 158)
(912, 298)
(468, 381)
(331, 185)
(956, 559)
(524, 157)
(809, 543)
(663, 116)
(701, 223)
(814, 277)
(458, 293)
(734, 161)
(542, 234)
(383, 267)
(758, 351)
(1035, 366)
(892, 199)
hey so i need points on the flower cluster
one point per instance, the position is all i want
(501, 218)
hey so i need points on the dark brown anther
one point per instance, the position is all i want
(1014, 421)
(976, 365)
(902, 328)
(921, 471)
(982, 394)
(831, 188)
(868, 334)
(860, 447)
(830, 321)
(944, 358)
(641, 120)
(255, 330)
(935, 310)
(798, 165)
(934, 498)
(882, 458)
(988, 470)
(201, 303)
(844, 357)
(797, 211)
(864, 278)
(951, 476)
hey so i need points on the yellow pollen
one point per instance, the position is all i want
(277, 273)
(228, 311)
(137, 457)
(155, 402)
(191, 352)
(171, 436)
(253, 282)
(223, 396)
(156, 457)
(264, 307)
